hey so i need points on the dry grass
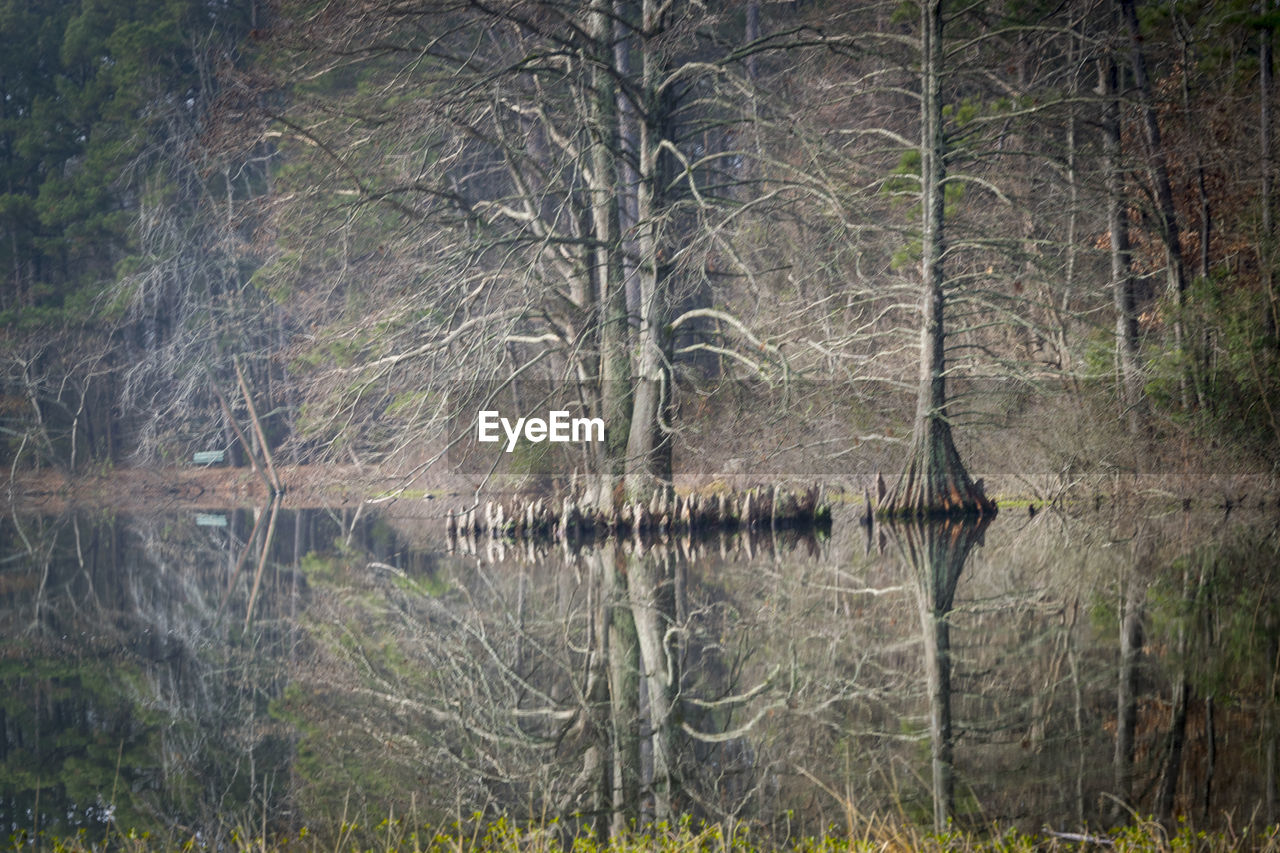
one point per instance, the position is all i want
(502, 836)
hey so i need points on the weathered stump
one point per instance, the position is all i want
(663, 513)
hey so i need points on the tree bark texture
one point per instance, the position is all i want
(648, 457)
(607, 256)
(935, 482)
(652, 611)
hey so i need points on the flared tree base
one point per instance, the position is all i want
(935, 483)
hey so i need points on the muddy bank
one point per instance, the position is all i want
(196, 488)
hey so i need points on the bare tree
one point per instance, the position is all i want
(934, 481)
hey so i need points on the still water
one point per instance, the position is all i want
(192, 672)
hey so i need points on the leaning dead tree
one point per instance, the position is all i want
(934, 481)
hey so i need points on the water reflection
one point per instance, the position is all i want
(183, 673)
(936, 551)
(135, 690)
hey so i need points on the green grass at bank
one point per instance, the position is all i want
(502, 836)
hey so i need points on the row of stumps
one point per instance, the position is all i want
(756, 508)
(690, 546)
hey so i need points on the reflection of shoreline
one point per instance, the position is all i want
(124, 629)
(779, 654)
(690, 546)
(152, 490)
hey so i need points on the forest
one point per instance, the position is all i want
(841, 228)
(942, 254)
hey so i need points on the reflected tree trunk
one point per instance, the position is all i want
(1078, 719)
(1270, 749)
(617, 631)
(591, 732)
(1127, 692)
(1210, 740)
(1182, 694)
(1177, 740)
(936, 552)
(652, 609)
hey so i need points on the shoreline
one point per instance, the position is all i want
(335, 486)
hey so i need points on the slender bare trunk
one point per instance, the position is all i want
(1177, 740)
(629, 145)
(648, 457)
(1181, 702)
(624, 693)
(936, 551)
(607, 269)
(1157, 158)
(753, 34)
(937, 646)
(935, 481)
(1210, 758)
(650, 592)
(1200, 374)
(1271, 322)
(1123, 284)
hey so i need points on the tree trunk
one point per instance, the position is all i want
(934, 482)
(648, 457)
(1177, 741)
(1266, 244)
(1127, 691)
(1123, 284)
(649, 584)
(607, 266)
(1200, 364)
(1210, 758)
(629, 145)
(1166, 212)
(624, 695)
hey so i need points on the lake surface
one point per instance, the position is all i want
(192, 672)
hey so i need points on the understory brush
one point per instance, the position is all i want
(686, 836)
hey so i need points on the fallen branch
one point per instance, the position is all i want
(277, 486)
(257, 466)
